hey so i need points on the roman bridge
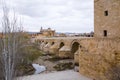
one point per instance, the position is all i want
(64, 47)
(92, 54)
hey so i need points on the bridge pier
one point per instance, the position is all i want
(65, 52)
(54, 48)
(42, 45)
(47, 47)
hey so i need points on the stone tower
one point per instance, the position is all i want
(107, 18)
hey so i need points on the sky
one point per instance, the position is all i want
(74, 16)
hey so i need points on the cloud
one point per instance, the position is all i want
(62, 15)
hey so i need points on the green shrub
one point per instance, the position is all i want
(32, 53)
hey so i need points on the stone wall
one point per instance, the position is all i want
(107, 17)
(96, 56)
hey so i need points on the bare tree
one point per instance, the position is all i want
(10, 43)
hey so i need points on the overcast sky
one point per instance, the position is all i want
(61, 15)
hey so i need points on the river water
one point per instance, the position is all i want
(38, 68)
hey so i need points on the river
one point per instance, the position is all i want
(38, 68)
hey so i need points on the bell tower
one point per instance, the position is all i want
(107, 18)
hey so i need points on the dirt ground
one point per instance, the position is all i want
(44, 60)
(61, 75)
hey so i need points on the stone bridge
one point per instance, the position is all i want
(64, 47)
(94, 55)
(97, 55)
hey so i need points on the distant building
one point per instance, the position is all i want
(47, 32)
(44, 33)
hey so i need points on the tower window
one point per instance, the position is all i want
(105, 33)
(106, 13)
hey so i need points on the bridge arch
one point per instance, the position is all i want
(52, 43)
(46, 42)
(75, 45)
(61, 45)
(74, 48)
(42, 41)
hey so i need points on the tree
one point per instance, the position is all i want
(10, 44)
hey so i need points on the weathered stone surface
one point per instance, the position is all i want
(95, 55)
(98, 56)
(46, 47)
(54, 49)
(76, 57)
(107, 17)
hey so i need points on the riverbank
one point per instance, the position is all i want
(60, 75)
(54, 63)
